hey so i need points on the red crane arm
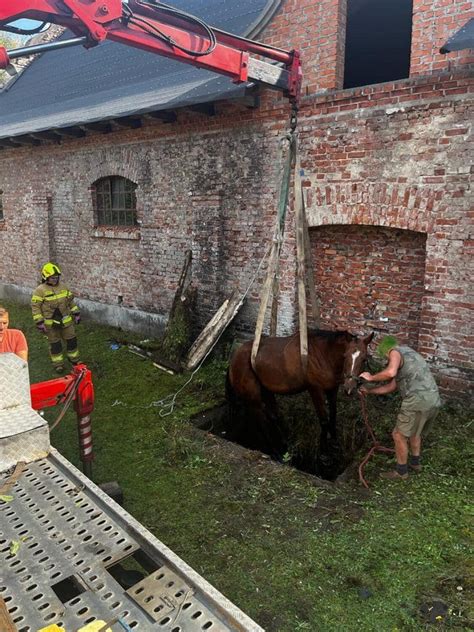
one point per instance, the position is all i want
(160, 29)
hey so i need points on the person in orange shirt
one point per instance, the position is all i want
(12, 340)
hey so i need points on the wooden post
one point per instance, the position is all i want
(315, 307)
(273, 260)
(6, 622)
(301, 265)
(267, 288)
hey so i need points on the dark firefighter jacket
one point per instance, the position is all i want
(53, 304)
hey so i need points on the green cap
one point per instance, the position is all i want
(385, 345)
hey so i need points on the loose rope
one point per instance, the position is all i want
(376, 446)
(69, 398)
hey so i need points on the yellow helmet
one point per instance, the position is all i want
(48, 270)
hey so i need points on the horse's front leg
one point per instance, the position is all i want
(317, 396)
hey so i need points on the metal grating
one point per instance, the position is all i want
(64, 527)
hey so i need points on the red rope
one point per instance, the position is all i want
(376, 447)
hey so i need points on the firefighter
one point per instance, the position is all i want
(55, 313)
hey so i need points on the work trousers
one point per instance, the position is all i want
(56, 336)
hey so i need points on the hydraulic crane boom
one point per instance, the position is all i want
(161, 29)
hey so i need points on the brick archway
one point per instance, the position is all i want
(370, 277)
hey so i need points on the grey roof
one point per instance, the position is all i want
(464, 38)
(75, 86)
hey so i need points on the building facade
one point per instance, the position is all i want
(387, 173)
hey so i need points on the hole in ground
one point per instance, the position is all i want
(298, 434)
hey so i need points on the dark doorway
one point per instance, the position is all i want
(378, 41)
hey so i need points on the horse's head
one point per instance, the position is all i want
(354, 361)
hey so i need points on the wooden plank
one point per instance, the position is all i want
(274, 309)
(8, 484)
(213, 330)
(301, 267)
(274, 258)
(6, 622)
(265, 297)
(265, 72)
(315, 306)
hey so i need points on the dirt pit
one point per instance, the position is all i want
(298, 435)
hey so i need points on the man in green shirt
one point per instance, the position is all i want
(409, 372)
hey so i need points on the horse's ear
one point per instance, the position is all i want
(369, 338)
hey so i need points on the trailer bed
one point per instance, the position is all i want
(61, 537)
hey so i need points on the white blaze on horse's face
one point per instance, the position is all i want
(350, 375)
(355, 355)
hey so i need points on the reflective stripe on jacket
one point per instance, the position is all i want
(53, 304)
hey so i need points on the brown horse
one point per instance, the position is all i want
(334, 358)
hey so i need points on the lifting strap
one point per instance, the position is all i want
(274, 258)
(305, 275)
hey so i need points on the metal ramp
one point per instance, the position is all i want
(62, 540)
(68, 530)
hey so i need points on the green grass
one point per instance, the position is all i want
(292, 555)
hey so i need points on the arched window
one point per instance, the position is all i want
(114, 201)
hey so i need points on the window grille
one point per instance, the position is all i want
(114, 201)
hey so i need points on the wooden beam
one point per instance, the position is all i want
(209, 109)
(167, 116)
(301, 265)
(6, 622)
(103, 128)
(315, 306)
(128, 121)
(5, 142)
(55, 138)
(251, 101)
(74, 132)
(25, 140)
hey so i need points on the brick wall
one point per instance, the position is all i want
(399, 156)
(213, 193)
(317, 29)
(433, 25)
(370, 277)
(386, 173)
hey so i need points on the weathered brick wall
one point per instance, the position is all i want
(370, 277)
(386, 167)
(433, 24)
(213, 193)
(400, 156)
(317, 29)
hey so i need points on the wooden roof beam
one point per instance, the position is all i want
(6, 143)
(74, 132)
(55, 138)
(128, 121)
(209, 109)
(25, 140)
(167, 116)
(103, 128)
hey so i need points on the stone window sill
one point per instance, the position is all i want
(116, 232)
